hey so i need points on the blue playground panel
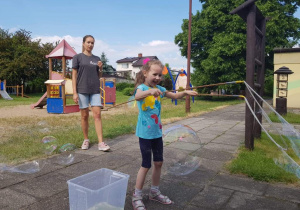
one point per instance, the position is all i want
(2, 86)
(109, 84)
(55, 105)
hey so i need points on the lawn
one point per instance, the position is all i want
(259, 163)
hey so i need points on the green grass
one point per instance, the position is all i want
(120, 98)
(21, 140)
(290, 117)
(20, 101)
(259, 163)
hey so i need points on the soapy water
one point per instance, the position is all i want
(106, 206)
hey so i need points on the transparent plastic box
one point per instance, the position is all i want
(100, 189)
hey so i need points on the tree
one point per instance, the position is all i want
(22, 60)
(219, 39)
(107, 69)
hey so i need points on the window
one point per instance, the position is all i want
(125, 65)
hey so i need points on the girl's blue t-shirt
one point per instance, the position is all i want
(149, 124)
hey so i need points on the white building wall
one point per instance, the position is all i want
(135, 71)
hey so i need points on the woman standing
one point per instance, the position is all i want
(87, 70)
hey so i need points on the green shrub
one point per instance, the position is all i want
(128, 91)
(122, 85)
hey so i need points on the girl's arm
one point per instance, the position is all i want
(139, 95)
(181, 94)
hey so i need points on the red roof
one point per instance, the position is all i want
(63, 49)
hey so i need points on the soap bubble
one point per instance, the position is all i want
(179, 134)
(66, 157)
(183, 137)
(132, 103)
(44, 130)
(42, 123)
(25, 168)
(49, 144)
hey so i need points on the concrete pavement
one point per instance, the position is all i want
(209, 187)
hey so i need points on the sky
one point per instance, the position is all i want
(121, 28)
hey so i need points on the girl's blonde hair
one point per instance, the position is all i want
(84, 38)
(140, 78)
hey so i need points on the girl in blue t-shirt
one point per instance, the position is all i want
(149, 129)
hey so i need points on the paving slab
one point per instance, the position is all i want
(284, 192)
(240, 184)
(11, 199)
(59, 201)
(199, 178)
(43, 186)
(176, 191)
(221, 147)
(214, 154)
(111, 160)
(212, 197)
(228, 139)
(213, 165)
(246, 201)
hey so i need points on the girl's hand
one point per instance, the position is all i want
(191, 92)
(155, 92)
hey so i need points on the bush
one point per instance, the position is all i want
(122, 85)
(128, 91)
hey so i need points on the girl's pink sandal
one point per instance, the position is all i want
(137, 202)
(157, 196)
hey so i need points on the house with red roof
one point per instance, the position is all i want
(130, 66)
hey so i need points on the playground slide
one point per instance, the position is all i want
(41, 102)
(5, 95)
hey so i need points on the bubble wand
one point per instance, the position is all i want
(196, 87)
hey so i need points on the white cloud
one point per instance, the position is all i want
(166, 51)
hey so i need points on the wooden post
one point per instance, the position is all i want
(64, 66)
(63, 94)
(260, 79)
(48, 90)
(17, 90)
(250, 69)
(50, 68)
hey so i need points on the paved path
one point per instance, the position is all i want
(209, 187)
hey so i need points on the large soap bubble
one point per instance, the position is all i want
(66, 157)
(49, 144)
(185, 139)
(25, 168)
(132, 103)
